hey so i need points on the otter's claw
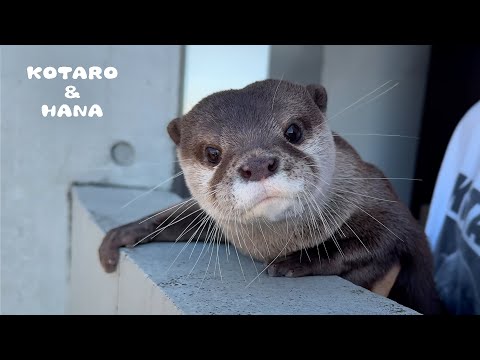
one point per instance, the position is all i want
(291, 267)
(116, 238)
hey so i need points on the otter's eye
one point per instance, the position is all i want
(213, 155)
(293, 134)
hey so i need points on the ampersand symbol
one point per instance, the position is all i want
(70, 92)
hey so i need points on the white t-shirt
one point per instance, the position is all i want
(453, 224)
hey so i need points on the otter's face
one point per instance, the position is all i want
(264, 151)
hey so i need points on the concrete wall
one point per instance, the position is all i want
(302, 64)
(40, 157)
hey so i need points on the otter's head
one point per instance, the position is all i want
(261, 151)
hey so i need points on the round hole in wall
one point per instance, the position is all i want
(123, 153)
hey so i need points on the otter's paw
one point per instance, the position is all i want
(291, 267)
(115, 239)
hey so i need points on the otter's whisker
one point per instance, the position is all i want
(305, 245)
(250, 238)
(302, 229)
(276, 89)
(235, 247)
(203, 247)
(239, 242)
(356, 193)
(263, 235)
(359, 100)
(173, 221)
(375, 178)
(271, 228)
(354, 233)
(375, 134)
(331, 230)
(208, 265)
(327, 207)
(271, 262)
(218, 259)
(382, 93)
(173, 213)
(344, 198)
(210, 222)
(326, 226)
(201, 227)
(311, 223)
(238, 257)
(152, 189)
(344, 221)
(214, 240)
(324, 246)
(207, 236)
(158, 231)
(190, 226)
(373, 217)
(161, 212)
(319, 208)
(227, 245)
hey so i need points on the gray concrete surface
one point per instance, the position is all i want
(168, 278)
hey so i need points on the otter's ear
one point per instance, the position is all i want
(173, 129)
(319, 95)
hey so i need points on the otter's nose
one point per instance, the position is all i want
(256, 169)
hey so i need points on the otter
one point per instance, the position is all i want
(262, 164)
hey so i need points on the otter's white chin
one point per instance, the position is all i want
(272, 208)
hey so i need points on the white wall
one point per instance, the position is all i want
(41, 157)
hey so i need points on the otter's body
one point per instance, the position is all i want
(263, 165)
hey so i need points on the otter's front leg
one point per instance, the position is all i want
(361, 267)
(167, 225)
(298, 265)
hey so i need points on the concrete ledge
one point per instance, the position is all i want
(169, 278)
